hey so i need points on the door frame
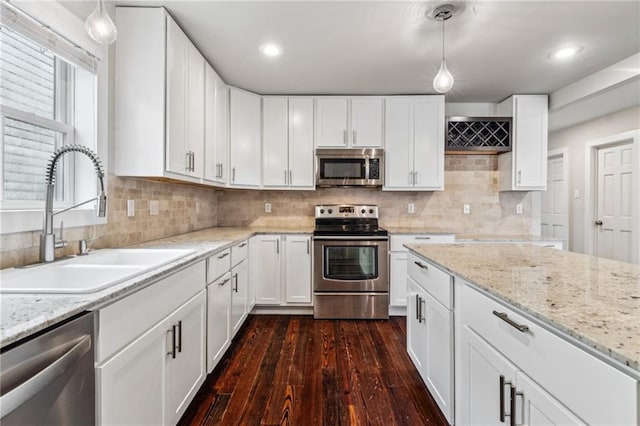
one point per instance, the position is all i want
(564, 153)
(591, 186)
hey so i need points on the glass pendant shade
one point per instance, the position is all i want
(443, 81)
(100, 26)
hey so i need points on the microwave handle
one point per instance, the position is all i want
(367, 168)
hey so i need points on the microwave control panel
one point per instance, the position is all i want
(374, 168)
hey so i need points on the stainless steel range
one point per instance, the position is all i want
(350, 268)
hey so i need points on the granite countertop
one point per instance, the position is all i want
(594, 300)
(24, 314)
(482, 238)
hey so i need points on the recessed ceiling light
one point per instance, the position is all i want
(271, 49)
(565, 52)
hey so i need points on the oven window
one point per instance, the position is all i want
(341, 168)
(351, 263)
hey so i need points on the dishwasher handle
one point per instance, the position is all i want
(26, 390)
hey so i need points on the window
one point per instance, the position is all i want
(36, 114)
(53, 92)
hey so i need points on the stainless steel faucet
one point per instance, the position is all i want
(48, 242)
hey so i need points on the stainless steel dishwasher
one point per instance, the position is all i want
(49, 379)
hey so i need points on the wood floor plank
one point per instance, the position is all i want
(294, 370)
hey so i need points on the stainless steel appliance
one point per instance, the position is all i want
(350, 267)
(349, 167)
(50, 379)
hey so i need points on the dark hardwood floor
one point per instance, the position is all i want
(294, 370)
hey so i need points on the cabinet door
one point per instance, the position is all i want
(239, 292)
(530, 142)
(132, 382)
(536, 407)
(176, 120)
(244, 135)
(398, 273)
(216, 141)
(398, 154)
(366, 122)
(267, 269)
(275, 141)
(331, 122)
(187, 371)
(428, 154)
(439, 356)
(298, 268)
(301, 157)
(416, 326)
(478, 401)
(218, 320)
(195, 110)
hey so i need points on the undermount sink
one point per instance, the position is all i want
(87, 274)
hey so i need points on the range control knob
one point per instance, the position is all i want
(330, 211)
(371, 211)
(321, 211)
(363, 211)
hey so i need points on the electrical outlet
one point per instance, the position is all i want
(411, 208)
(576, 194)
(466, 209)
(131, 208)
(154, 207)
(267, 207)
(518, 208)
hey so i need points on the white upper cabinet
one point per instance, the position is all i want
(414, 143)
(349, 122)
(287, 142)
(159, 98)
(244, 135)
(525, 167)
(216, 127)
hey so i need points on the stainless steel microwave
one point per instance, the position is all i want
(349, 167)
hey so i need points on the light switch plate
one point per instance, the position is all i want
(466, 209)
(131, 208)
(518, 208)
(411, 208)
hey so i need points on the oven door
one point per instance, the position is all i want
(350, 264)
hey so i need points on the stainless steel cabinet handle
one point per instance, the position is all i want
(355, 138)
(502, 384)
(221, 170)
(277, 246)
(193, 161)
(233, 174)
(188, 160)
(415, 178)
(423, 238)
(504, 317)
(222, 283)
(223, 255)
(173, 341)
(242, 245)
(307, 246)
(290, 178)
(519, 176)
(344, 136)
(285, 177)
(422, 265)
(512, 407)
(423, 304)
(410, 178)
(418, 308)
(235, 278)
(26, 390)
(180, 336)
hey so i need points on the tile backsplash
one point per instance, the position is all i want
(469, 179)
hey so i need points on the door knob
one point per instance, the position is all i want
(598, 222)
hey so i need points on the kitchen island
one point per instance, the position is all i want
(554, 332)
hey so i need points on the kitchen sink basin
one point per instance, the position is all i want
(87, 274)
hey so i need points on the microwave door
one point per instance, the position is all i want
(343, 168)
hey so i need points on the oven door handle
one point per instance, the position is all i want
(351, 237)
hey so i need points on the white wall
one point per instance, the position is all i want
(575, 138)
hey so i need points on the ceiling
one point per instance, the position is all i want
(493, 48)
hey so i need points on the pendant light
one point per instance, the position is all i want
(100, 26)
(443, 81)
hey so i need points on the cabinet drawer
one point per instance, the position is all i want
(396, 242)
(218, 264)
(595, 391)
(435, 281)
(239, 252)
(126, 319)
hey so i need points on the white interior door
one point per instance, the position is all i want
(614, 200)
(555, 200)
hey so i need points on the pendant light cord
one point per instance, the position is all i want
(443, 39)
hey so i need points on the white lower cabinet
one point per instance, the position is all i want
(153, 379)
(239, 295)
(218, 319)
(281, 269)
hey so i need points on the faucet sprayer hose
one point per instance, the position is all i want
(53, 162)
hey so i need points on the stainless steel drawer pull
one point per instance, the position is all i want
(502, 383)
(180, 336)
(512, 407)
(242, 245)
(423, 238)
(422, 265)
(418, 308)
(224, 282)
(223, 255)
(504, 317)
(235, 278)
(173, 341)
